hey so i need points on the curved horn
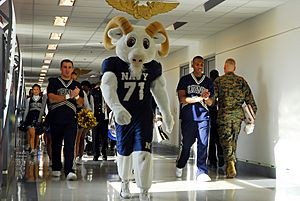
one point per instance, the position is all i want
(117, 21)
(157, 27)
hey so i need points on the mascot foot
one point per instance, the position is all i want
(144, 195)
(125, 192)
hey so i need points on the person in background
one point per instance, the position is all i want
(74, 76)
(100, 132)
(195, 92)
(231, 91)
(64, 95)
(29, 93)
(32, 111)
(81, 133)
(215, 152)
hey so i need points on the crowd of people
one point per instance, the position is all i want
(210, 111)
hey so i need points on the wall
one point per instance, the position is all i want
(266, 49)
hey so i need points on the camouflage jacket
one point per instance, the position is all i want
(232, 91)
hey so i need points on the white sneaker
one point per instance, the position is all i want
(125, 192)
(178, 172)
(144, 196)
(56, 173)
(71, 176)
(203, 178)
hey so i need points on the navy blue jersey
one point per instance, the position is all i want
(194, 87)
(136, 97)
(34, 109)
(133, 94)
(63, 112)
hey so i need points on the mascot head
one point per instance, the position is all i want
(135, 45)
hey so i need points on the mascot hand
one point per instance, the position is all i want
(122, 116)
(169, 122)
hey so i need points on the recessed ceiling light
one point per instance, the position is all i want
(43, 71)
(47, 61)
(60, 21)
(55, 36)
(66, 2)
(49, 55)
(52, 47)
(45, 66)
(42, 75)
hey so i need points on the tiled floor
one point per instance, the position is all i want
(99, 181)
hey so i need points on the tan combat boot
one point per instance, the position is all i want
(230, 169)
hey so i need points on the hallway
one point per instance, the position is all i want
(98, 180)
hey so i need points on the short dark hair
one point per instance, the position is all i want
(213, 74)
(67, 61)
(73, 73)
(86, 83)
(197, 57)
(36, 85)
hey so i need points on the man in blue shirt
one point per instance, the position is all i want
(194, 92)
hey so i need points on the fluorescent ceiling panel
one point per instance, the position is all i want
(60, 21)
(66, 2)
(47, 61)
(55, 36)
(49, 55)
(52, 47)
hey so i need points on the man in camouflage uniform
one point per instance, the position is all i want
(231, 91)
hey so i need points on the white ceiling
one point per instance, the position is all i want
(83, 33)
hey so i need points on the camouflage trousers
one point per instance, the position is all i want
(228, 131)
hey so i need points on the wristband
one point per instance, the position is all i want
(77, 97)
(198, 99)
(67, 96)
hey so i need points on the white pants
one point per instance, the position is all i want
(141, 163)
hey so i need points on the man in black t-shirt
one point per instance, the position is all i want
(64, 94)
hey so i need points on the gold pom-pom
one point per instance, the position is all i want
(86, 119)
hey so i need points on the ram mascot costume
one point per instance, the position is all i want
(129, 82)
